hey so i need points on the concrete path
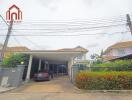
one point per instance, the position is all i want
(59, 89)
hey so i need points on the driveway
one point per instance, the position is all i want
(59, 89)
(60, 84)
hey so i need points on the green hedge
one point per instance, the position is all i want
(117, 63)
(104, 80)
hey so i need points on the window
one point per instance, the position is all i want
(121, 52)
(79, 58)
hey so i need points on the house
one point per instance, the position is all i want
(118, 50)
(11, 50)
(58, 61)
(78, 48)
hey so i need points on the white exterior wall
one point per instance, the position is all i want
(115, 52)
(128, 51)
(120, 52)
(110, 53)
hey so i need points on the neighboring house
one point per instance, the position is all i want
(79, 58)
(118, 50)
(11, 50)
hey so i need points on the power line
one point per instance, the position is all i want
(77, 22)
(4, 20)
(68, 30)
(67, 35)
(33, 43)
(16, 40)
(95, 19)
(77, 28)
(70, 23)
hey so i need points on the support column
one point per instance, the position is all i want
(39, 68)
(29, 68)
(70, 63)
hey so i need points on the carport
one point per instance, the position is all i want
(50, 58)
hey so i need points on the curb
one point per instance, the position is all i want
(102, 91)
(7, 90)
(107, 91)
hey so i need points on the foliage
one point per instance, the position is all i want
(96, 58)
(117, 63)
(104, 80)
(14, 60)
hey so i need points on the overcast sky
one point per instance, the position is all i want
(69, 10)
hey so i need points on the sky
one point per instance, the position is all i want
(76, 11)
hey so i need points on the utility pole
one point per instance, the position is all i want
(6, 40)
(129, 23)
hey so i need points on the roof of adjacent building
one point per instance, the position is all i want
(125, 44)
(108, 58)
(18, 48)
(78, 48)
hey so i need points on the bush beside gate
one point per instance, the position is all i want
(104, 80)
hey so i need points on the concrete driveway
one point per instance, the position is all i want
(60, 84)
(59, 89)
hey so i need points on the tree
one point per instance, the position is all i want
(102, 53)
(96, 58)
(14, 60)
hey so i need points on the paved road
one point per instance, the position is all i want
(59, 89)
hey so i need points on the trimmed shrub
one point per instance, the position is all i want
(104, 80)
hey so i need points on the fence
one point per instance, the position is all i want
(127, 68)
(11, 76)
(77, 68)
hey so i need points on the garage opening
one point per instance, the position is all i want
(58, 69)
(55, 67)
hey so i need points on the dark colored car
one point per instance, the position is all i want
(42, 76)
